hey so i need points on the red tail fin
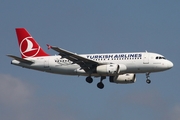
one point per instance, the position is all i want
(27, 44)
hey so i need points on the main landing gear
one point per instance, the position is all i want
(148, 81)
(100, 85)
(89, 79)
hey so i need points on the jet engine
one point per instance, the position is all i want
(110, 69)
(123, 79)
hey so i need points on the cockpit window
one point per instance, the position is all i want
(159, 57)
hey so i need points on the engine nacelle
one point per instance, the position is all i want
(79, 71)
(110, 69)
(123, 79)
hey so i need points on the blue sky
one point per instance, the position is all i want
(90, 27)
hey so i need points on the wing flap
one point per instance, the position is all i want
(20, 59)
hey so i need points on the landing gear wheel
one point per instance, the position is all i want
(148, 81)
(100, 85)
(89, 79)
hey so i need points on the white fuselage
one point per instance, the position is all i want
(137, 62)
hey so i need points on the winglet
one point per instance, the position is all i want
(49, 46)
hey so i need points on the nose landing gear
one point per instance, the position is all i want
(148, 81)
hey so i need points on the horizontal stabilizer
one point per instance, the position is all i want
(20, 59)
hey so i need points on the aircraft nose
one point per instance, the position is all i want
(170, 64)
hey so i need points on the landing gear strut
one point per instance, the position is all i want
(148, 81)
(100, 85)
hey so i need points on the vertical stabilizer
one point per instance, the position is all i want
(28, 45)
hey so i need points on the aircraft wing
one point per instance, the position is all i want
(85, 63)
(20, 59)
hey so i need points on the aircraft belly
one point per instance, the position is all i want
(139, 67)
(66, 70)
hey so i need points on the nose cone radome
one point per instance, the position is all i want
(169, 65)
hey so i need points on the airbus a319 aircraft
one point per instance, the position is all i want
(118, 67)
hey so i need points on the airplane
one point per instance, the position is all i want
(120, 68)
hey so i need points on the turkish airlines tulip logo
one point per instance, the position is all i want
(28, 47)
